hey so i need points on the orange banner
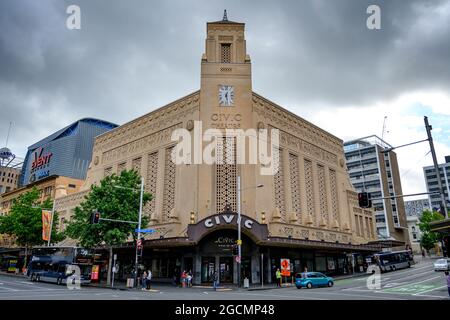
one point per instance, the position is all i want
(46, 224)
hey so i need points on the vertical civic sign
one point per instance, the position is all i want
(46, 224)
(285, 267)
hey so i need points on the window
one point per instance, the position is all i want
(72, 186)
(225, 53)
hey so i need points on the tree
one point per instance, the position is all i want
(429, 239)
(116, 197)
(24, 221)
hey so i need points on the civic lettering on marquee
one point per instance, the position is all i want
(226, 219)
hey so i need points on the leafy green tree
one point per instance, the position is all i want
(24, 221)
(116, 197)
(429, 239)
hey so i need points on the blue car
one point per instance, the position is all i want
(312, 279)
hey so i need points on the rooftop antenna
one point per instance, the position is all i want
(7, 137)
(384, 128)
(225, 18)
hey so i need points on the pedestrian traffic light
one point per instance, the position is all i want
(140, 249)
(95, 218)
(235, 250)
(364, 200)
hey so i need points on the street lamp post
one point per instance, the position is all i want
(238, 207)
(139, 229)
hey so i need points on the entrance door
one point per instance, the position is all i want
(226, 269)
(208, 268)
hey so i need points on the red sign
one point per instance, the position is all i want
(94, 273)
(40, 159)
(285, 267)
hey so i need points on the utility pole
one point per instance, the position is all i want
(238, 182)
(138, 233)
(436, 167)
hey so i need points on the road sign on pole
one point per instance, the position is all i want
(145, 230)
(285, 267)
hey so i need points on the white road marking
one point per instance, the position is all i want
(428, 290)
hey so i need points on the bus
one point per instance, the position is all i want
(57, 264)
(391, 261)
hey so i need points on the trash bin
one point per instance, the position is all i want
(130, 282)
(246, 283)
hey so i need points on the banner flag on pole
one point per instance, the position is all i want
(46, 221)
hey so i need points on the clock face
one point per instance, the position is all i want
(226, 95)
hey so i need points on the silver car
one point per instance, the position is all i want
(442, 264)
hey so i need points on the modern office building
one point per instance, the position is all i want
(306, 210)
(432, 183)
(376, 172)
(65, 153)
(416, 207)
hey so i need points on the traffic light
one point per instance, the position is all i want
(95, 218)
(235, 250)
(364, 200)
(140, 247)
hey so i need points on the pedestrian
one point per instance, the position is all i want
(144, 280)
(278, 276)
(189, 278)
(149, 279)
(447, 276)
(423, 253)
(184, 279)
(215, 280)
(305, 271)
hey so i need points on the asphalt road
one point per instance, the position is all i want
(420, 282)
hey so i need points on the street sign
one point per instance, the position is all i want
(285, 267)
(238, 260)
(145, 230)
(239, 242)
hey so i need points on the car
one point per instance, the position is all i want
(442, 264)
(313, 279)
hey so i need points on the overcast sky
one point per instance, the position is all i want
(316, 58)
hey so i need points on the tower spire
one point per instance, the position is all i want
(225, 18)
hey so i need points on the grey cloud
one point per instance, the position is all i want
(133, 56)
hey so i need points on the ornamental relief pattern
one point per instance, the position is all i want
(71, 200)
(150, 183)
(139, 145)
(226, 175)
(279, 188)
(322, 193)
(296, 124)
(147, 124)
(295, 184)
(311, 234)
(334, 195)
(309, 187)
(298, 144)
(169, 185)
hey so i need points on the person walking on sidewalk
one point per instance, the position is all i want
(278, 276)
(149, 279)
(144, 280)
(447, 276)
(215, 280)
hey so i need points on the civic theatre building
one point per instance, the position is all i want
(306, 212)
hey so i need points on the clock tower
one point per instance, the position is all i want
(225, 103)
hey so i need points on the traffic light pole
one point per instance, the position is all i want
(138, 233)
(436, 167)
(238, 200)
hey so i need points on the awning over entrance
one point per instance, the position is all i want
(313, 244)
(442, 226)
